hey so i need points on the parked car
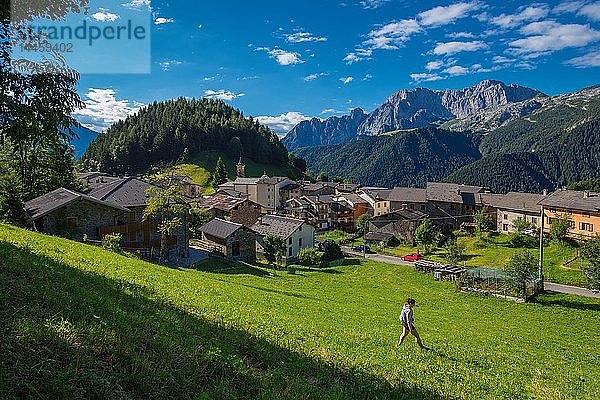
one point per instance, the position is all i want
(412, 257)
(362, 248)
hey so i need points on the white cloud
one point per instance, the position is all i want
(460, 35)
(168, 64)
(393, 35)
(104, 16)
(346, 80)
(423, 77)
(283, 123)
(592, 11)
(433, 65)
(137, 4)
(312, 77)
(331, 111)
(568, 6)
(103, 109)
(372, 4)
(222, 95)
(281, 56)
(450, 48)
(457, 70)
(162, 20)
(502, 60)
(368, 77)
(358, 55)
(444, 15)
(550, 36)
(589, 60)
(524, 14)
(300, 37)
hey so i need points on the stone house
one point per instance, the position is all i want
(263, 190)
(73, 215)
(451, 204)
(402, 224)
(229, 239)
(296, 233)
(238, 209)
(378, 199)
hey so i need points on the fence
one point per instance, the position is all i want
(489, 281)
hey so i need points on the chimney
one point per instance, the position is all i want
(586, 194)
(545, 192)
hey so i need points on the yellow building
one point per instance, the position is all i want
(582, 208)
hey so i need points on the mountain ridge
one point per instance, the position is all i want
(421, 107)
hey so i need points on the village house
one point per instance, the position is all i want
(238, 209)
(74, 215)
(582, 208)
(231, 240)
(377, 199)
(451, 204)
(401, 198)
(507, 208)
(94, 214)
(296, 233)
(401, 224)
(263, 190)
(358, 205)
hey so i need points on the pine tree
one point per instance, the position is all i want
(220, 175)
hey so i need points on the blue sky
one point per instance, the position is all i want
(285, 61)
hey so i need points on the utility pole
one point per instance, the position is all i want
(541, 264)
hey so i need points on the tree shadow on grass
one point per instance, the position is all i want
(72, 335)
(568, 301)
(228, 267)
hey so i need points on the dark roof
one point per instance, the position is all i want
(59, 198)
(378, 194)
(454, 193)
(571, 199)
(126, 192)
(223, 202)
(404, 214)
(243, 181)
(232, 193)
(527, 202)
(220, 229)
(353, 198)
(408, 195)
(291, 186)
(277, 225)
(347, 187)
(272, 181)
(378, 236)
(312, 187)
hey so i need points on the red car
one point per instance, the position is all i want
(412, 257)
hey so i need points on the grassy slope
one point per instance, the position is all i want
(200, 168)
(497, 252)
(78, 322)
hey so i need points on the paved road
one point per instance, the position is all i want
(551, 287)
(555, 287)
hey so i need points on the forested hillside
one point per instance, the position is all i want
(406, 158)
(182, 128)
(549, 149)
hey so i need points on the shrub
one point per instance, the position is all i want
(309, 256)
(520, 269)
(591, 252)
(112, 242)
(560, 228)
(427, 235)
(291, 270)
(331, 251)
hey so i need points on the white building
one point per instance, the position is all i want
(296, 233)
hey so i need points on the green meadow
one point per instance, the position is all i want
(79, 322)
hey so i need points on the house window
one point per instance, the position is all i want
(534, 220)
(585, 226)
(585, 215)
(505, 216)
(132, 236)
(290, 241)
(422, 207)
(299, 242)
(72, 222)
(571, 224)
(132, 216)
(505, 227)
(290, 252)
(300, 229)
